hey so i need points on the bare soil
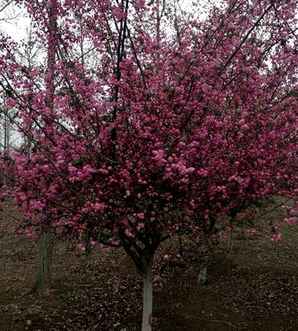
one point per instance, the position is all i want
(254, 288)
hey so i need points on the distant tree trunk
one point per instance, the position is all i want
(181, 251)
(45, 251)
(46, 241)
(206, 258)
(230, 241)
(203, 273)
(6, 129)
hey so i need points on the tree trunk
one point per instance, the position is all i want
(6, 145)
(45, 247)
(147, 298)
(230, 241)
(181, 251)
(203, 273)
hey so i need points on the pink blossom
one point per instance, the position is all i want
(291, 220)
(141, 216)
(98, 207)
(10, 103)
(276, 237)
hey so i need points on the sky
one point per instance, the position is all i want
(14, 22)
(18, 29)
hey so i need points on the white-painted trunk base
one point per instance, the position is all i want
(147, 299)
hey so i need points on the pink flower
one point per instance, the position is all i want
(141, 216)
(202, 172)
(159, 157)
(291, 220)
(139, 4)
(99, 207)
(10, 103)
(276, 237)
(118, 12)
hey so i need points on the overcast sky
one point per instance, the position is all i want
(14, 22)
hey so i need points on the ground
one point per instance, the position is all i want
(255, 287)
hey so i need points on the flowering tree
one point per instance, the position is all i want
(163, 129)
